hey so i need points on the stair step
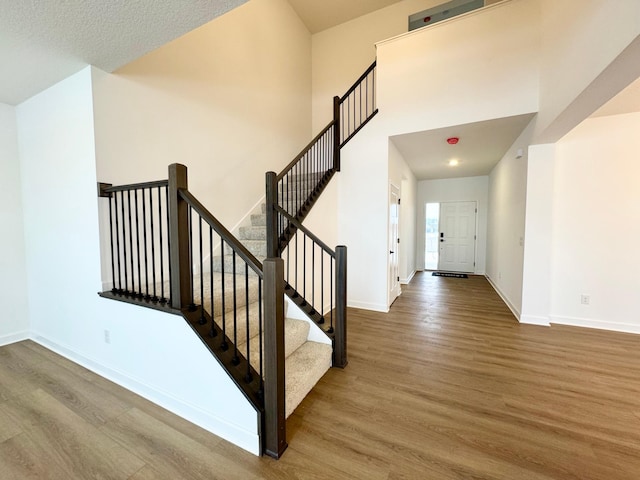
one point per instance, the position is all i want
(303, 369)
(259, 220)
(257, 247)
(252, 233)
(228, 265)
(295, 335)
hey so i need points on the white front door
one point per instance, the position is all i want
(457, 236)
(394, 215)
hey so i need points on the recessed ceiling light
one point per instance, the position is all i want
(454, 163)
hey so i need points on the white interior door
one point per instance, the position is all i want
(394, 215)
(457, 236)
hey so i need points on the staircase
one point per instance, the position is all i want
(169, 253)
(305, 361)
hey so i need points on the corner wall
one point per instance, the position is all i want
(506, 221)
(596, 225)
(58, 163)
(13, 273)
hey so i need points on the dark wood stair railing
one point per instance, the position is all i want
(159, 232)
(291, 194)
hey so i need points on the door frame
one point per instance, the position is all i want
(393, 282)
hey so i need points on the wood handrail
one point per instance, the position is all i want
(305, 230)
(136, 186)
(220, 229)
(359, 81)
(292, 164)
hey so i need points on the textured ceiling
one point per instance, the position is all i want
(45, 41)
(320, 15)
(482, 145)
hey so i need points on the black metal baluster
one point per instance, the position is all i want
(135, 196)
(125, 263)
(322, 283)
(313, 275)
(248, 378)
(224, 345)
(147, 297)
(304, 265)
(295, 272)
(113, 263)
(115, 207)
(166, 194)
(235, 360)
(163, 299)
(153, 249)
(192, 305)
(260, 334)
(202, 320)
(213, 331)
(133, 284)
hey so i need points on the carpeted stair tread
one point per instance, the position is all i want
(304, 368)
(257, 247)
(295, 334)
(252, 233)
(241, 322)
(227, 262)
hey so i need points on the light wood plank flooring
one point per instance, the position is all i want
(446, 386)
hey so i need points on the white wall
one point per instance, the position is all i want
(401, 176)
(469, 189)
(230, 100)
(13, 284)
(596, 225)
(475, 67)
(342, 53)
(151, 353)
(506, 221)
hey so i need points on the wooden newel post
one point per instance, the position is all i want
(275, 435)
(336, 133)
(179, 238)
(340, 336)
(272, 217)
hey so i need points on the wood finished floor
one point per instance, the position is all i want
(446, 386)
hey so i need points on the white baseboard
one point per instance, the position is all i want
(504, 298)
(598, 324)
(535, 320)
(405, 281)
(14, 338)
(246, 440)
(375, 307)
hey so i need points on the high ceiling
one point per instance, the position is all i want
(320, 15)
(45, 41)
(482, 145)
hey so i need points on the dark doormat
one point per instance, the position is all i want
(452, 275)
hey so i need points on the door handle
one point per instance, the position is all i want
(442, 239)
(391, 251)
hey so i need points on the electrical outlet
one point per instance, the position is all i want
(107, 337)
(585, 299)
